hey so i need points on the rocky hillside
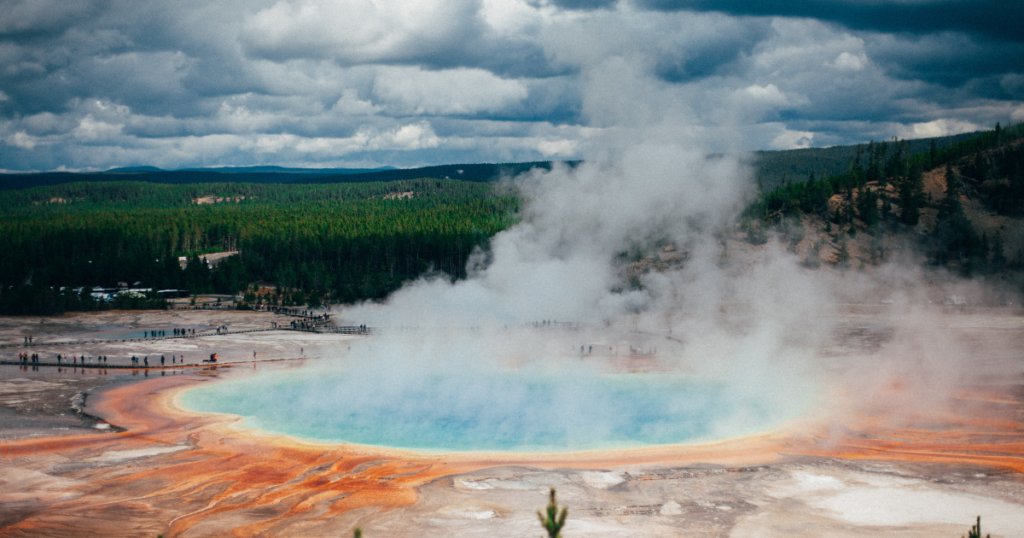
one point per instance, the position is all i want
(956, 227)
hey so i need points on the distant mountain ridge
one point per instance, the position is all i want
(274, 174)
(771, 168)
(254, 169)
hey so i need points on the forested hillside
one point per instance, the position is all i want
(333, 242)
(883, 191)
(345, 241)
(774, 168)
(87, 196)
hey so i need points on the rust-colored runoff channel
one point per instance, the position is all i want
(205, 475)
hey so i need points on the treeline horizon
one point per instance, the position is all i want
(772, 169)
(343, 242)
(481, 173)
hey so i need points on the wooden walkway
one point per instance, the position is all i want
(345, 329)
(148, 339)
(102, 366)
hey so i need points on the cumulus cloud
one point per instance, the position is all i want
(849, 62)
(415, 136)
(92, 130)
(515, 17)
(325, 82)
(413, 91)
(358, 31)
(792, 140)
(22, 140)
(940, 127)
(557, 148)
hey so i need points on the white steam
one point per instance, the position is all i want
(752, 325)
(562, 261)
(646, 192)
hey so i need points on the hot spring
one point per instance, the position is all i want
(495, 410)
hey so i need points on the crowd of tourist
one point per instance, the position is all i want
(26, 358)
(309, 322)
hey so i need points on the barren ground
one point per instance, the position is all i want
(180, 474)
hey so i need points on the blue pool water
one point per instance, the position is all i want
(506, 411)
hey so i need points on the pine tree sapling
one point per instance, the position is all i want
(952, 184)
(975, 531)
(911, 196)
(980, 167)
(553, 521)
(998, 253)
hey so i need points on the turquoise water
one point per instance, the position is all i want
(507, 411)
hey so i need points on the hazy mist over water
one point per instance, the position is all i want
(540, 407)
(479, 373)
(710, 347)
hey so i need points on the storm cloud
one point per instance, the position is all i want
(94, 84)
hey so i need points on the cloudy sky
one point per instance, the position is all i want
(95, 84)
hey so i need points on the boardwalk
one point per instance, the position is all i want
(148, 339)
(104, 366)
(352, 330)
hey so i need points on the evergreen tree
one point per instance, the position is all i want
(868, 207)
(998, 253)
(951, 204)
(856, 166)
(980, 167)
(843, 254)
(874, 172)
(882, 163)
(912, 196)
